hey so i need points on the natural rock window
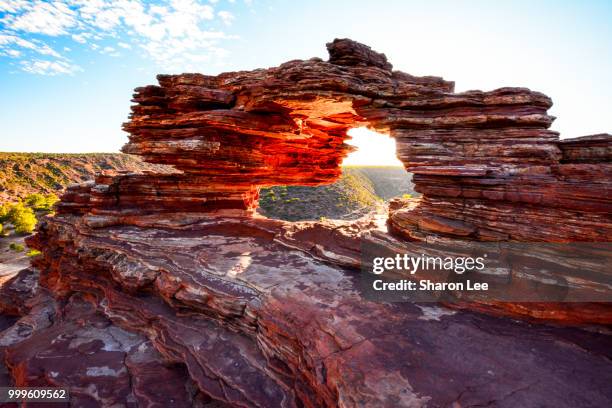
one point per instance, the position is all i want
(371, 176)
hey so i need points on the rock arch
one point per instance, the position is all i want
(486, 164)
(233, 133)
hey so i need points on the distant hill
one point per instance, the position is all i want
(22, 174)
(359, 191)
(388, 182)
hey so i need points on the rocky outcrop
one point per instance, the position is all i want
(255, 323)
(564, 200)
(169, 278)
(235, 132)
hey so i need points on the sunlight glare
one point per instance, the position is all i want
(374, 149)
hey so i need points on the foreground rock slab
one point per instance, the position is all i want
(253, 322)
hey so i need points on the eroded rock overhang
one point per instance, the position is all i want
(470, 152)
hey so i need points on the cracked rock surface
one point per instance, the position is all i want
(252, 322)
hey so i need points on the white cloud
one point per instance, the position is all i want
(43, 18)
(169, 32)
(46, 50)
(111, 51)
(11, 53)
(42, 67)
(159, 10)
(226, 17)
(9, 41)
(13, 6)
(81, 37)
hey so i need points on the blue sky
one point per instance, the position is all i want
(68, 67)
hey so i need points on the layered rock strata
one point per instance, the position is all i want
(565, 200)
(255, 323)
(172, 274)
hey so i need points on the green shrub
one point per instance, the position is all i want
(4, 210)
(16, 247)
(40, 202)
(51, 200)
(36, 201)
(33, 252)
(22, 218)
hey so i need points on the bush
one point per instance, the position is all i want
(36, 201)
(41, 202)
(51, 200)
(16, 247)
(4, 210)
(22, 218)
(33, 252)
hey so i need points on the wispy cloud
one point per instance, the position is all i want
(8, 41)
(226, 17)
(42, 67)
(175, 34)
(39, 17)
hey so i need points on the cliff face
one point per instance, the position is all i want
(172, 274)
(564, 199)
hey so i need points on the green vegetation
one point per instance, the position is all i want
(388, 181)
(16, 247)
(41, 202)
(30, 182)
(33, 252)
(22, 174)
(22, 214)
(22, 217)
(358, 191)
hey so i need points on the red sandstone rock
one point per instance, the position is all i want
(16, 292)
(258, 324)
(587, 149)
(172, 274)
